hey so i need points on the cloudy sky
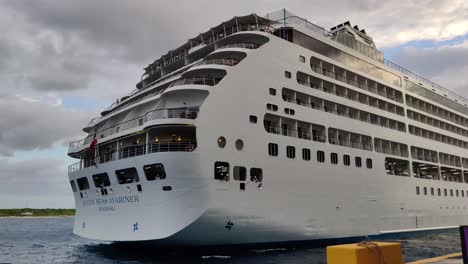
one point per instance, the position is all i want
(62, 61)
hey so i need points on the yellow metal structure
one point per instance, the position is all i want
(365, 253)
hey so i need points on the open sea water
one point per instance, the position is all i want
(50, 240)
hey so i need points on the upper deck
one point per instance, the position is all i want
(171, 69)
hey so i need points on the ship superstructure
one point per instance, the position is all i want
(272, 129)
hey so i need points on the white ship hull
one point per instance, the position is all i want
(297, 200)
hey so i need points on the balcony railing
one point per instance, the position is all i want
(243, 45)
(442, 89)
(355, 116)
(134, 151)
(196, 81)
(183, 113)
(361, 85)
(294, 133)
(227, 62)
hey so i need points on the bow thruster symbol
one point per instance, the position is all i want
(229, 225)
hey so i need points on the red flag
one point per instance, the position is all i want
(93, 144)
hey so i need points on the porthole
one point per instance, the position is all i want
(239, 144)
(221, 142)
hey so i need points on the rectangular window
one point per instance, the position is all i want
(291, 152)
(128, 175)
(451, 192)
(221, 171)
(154, 172)
(101, 180)
(301, 59)
(287, 74)
(358, 162)
(305, 154)
(439, 193)
(397, 167)
(445, 192)
(273, 149)
(334, 158)
(73, 186)
(346, 160)
(253, 119)
(425, 190)
(272, 107)
(432, 191)
(369, 163)
(320, 156)
(256, 175)
(417, 190)
(83, 183)
(240, 173)
(456, 193)
(462, 193)
(272, 91)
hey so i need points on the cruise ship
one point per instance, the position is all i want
(273, 129)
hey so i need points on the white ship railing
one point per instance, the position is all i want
(196, 81)
(427, 82)
(243, 45)
(134, 151)
(183, 113)
(294, 133)
(340, 113)
(342, 78)
(327, 90)
(227, 62)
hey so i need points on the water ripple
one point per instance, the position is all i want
(50, 240)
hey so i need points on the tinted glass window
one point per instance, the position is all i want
(73, 186)
(306, 154)
(346, 160)
(334, 158)
(101, 180)
(358, 162)
(273, 149)
(320, 156)
(240, 173)
(221, 171)
(83, 183)
(128, 175)
(154, 172)
(256, 175)
(291, 152)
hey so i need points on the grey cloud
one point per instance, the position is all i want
(99, 36)
(28, 125)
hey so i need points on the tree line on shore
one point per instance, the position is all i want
(36, 212)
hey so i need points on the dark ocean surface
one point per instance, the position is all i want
(50, 240)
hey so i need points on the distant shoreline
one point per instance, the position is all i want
(36, 213)
(35, 216)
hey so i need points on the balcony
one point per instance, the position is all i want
(242, 45)
(196, 81)
(182, 113)
(134, 151)
(226, 62)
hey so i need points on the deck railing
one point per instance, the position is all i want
(184, 113)
(227, 62)
(243, 45)
(197, 81)
(442, 89)
(134, 151)
(361, 85)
